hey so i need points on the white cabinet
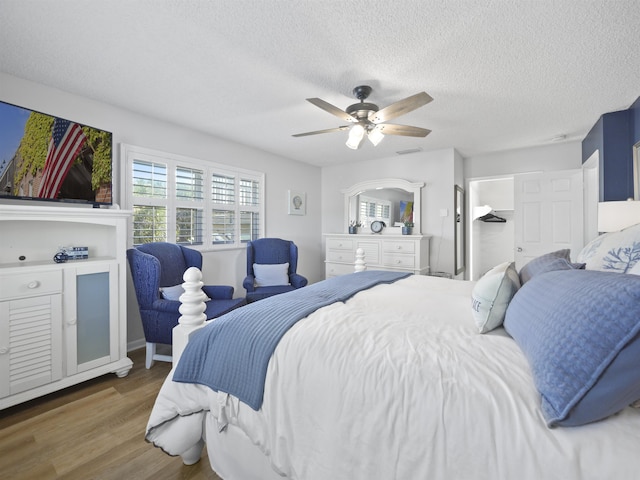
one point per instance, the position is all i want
(60, 323)
(404, 253)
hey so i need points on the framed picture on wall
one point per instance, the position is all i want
(297, 202)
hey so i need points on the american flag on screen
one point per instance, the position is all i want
(66, 141)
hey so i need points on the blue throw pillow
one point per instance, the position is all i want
(579, 330)
(559, 260)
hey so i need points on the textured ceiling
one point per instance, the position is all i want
(503, 74)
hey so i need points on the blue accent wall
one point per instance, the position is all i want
(614, 135)
(635, 120)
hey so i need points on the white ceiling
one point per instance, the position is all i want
(503, 73)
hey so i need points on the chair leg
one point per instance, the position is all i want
(152, 356)
(151, 351)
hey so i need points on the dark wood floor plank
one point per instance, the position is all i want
(94, 430)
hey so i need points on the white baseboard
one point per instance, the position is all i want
(136, 344)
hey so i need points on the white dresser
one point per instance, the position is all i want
(404, 253)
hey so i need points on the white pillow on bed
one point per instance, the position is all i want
(492, 294)
(613, 252)
(271, 275)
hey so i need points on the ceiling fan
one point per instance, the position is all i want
(367, 119)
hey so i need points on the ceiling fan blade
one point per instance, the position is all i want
(400, 107)
(329, 130)
(333, 110)
(405, 130)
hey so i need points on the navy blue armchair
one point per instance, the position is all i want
(160, 265)
(271, 276)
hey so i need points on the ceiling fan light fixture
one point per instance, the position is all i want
(367, 119)
(356, 136)
(375, 135)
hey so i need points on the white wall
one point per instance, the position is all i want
(435, 168)
(228, 267)
(557, 156)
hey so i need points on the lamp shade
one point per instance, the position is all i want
(356, 135)
(614, 216)
(376, 135)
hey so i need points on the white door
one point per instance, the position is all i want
(548, 214)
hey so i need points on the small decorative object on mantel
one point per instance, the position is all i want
(407, 228)
(354, 225)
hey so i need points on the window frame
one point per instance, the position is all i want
(131, 153)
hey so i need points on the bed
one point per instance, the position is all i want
(526, 375)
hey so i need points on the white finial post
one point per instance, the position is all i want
(193, 306)
(360, 266)
(192, 310)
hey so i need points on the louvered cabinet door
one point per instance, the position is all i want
(30, 343)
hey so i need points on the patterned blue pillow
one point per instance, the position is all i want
(579, 330)
(613, 252)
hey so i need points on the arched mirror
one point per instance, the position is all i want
(390, 200)
(458, 229)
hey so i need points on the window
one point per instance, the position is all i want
(375, 209)
(191, 202)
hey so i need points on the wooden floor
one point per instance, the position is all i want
(92, 431)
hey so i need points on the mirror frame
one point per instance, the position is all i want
(411, 187)
(458, 229)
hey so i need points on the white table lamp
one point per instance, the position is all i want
(614, 216)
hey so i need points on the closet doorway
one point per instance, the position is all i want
(491, 226)
(520, 217)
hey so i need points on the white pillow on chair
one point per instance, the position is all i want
(174, 292)
(268, 275)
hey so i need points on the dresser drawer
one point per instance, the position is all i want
(335, 269)
(399, 246)
(30, 284)
(344, 256)
(339, 244)
(401, 261)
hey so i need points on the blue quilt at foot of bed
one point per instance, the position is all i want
(232, 353)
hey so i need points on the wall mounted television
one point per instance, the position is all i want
(48, 158)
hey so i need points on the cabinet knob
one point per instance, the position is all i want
(398, 262)
(399, 247)
(71, 321)
(34, 284)
(4, 350)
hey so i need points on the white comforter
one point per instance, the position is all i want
(397, 384)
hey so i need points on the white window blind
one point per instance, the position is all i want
(166, 194)
(375, 209)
